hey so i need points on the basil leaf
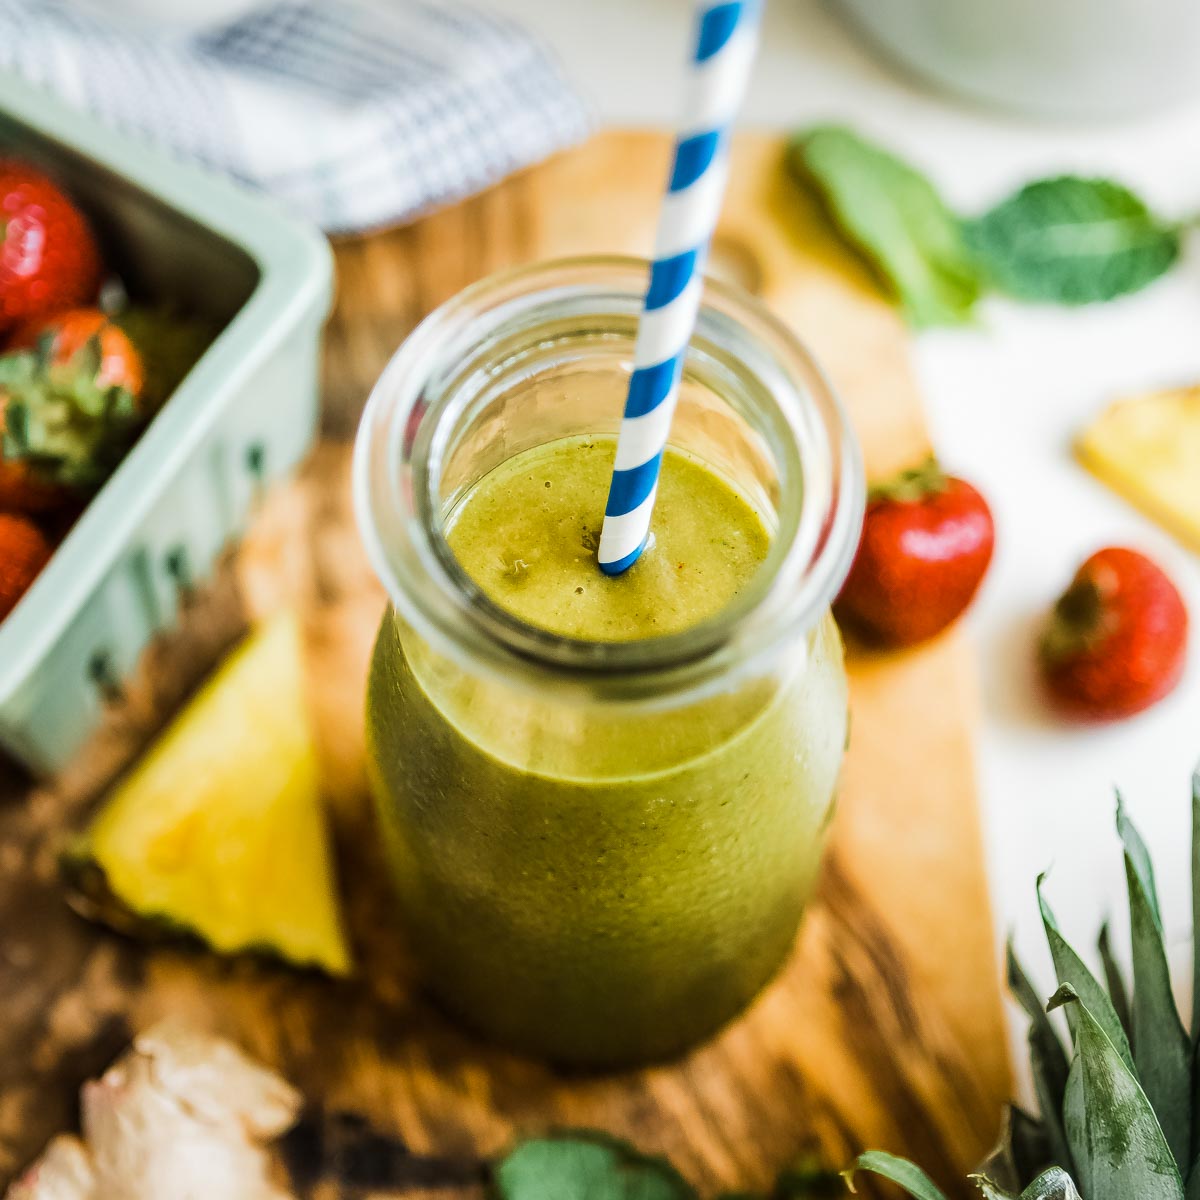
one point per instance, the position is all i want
(584, 1166)
(1072, 241)
(899, 1170)
(893, 215)
(1162, 1051)
(1114, 1132)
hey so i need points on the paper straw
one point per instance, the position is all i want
(726, 38)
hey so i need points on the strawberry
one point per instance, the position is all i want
(23, 489)
(48, 254)
(69, 333)
(71, 403)
(24, 551)
(1117, 640)
(926, 543)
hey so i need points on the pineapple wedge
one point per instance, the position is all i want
(220, 827)
(1148, 449)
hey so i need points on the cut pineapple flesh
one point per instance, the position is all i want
(220, 827)
(1147, 448)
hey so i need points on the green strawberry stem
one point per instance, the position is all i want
(912, 485)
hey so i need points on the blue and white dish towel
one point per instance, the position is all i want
(355, 113)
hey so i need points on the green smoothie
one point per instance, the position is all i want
(602, 883)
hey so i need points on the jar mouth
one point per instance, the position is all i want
(441, 370)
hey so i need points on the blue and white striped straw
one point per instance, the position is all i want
(726, 38)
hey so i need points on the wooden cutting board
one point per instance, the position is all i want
(885, 1029)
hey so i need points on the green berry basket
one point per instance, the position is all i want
(244, 415)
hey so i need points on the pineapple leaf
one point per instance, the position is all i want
(1118, 993)
(898, 1170)
(1162, 1051)
(1022, 1151)
(1075, 1125)
(1196, 925)
(991, 1190)
(1047, 1058)
(1054, 1184)
(1138, 857)
(1071, 970)
(1115, 1134)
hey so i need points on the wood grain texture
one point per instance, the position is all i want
(884, 1029)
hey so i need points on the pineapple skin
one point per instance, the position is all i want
(220, 827)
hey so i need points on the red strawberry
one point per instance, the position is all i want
(24, 551)
(48, 255)
(72, 404)
(120, 365)
(1117, 640)
(24, 490)
(926, 544)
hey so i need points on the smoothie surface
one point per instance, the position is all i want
(527, 533)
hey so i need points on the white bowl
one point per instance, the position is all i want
(1069, 58)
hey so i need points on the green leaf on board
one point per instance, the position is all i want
(899, 1170)
(1047, 1057)
(1070, 240)
(893, 215)
(1114, 1131)
(1162, 1051)
(1070, 969)
(1114, 980)
(584, 1166)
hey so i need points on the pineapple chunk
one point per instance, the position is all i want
(220, 827)
(1148, 449)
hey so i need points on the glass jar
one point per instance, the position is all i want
(601, 850)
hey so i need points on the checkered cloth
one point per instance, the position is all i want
(354, 113)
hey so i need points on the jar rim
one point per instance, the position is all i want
(395, 460)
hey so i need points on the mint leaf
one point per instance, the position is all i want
(896, 219)
(1072, 241)
(584, 1166)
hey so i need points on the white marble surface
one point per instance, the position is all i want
(1004, 401)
